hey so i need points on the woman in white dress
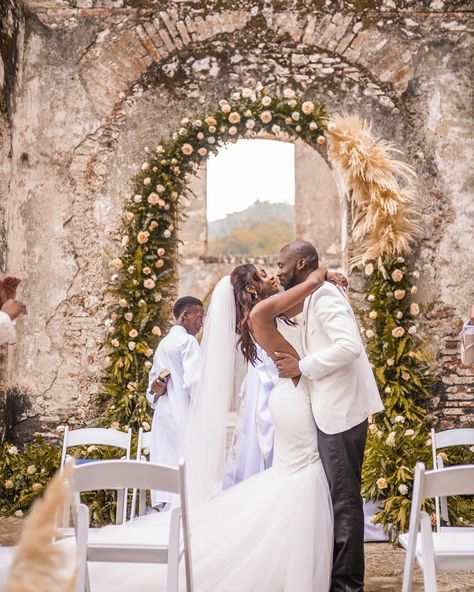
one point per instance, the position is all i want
(272, 532)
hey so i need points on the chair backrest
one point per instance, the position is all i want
(447, 438)
(144, 441)
(123, 474)
(458, 480)
(97, 437)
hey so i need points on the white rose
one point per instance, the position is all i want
(403, 489)
(414, 290)
(137, 198)
(19, 514)
(146, 181)
(295, 116)
(371, 298)
(390, 362)
(307, 107)
(125, 240)
(276, 129)
(414, 309)
(166, 234)
(13, 450)
(400, 419)
(313, 125)
(128, 316)
(373, 314)
(412, 330)
(225, 108)
(369, 333)
(131, 345)
(232, 130)
(416, 274)
(410, 432)
(148, 364)
(250, 124)
(289, 93)
(133, 333)
(266, 101)
(246, 92)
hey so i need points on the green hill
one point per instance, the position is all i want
(261, 229)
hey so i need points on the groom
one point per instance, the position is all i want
(343, 395)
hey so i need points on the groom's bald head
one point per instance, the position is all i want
(296, 261)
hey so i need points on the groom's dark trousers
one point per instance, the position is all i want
(342, 455)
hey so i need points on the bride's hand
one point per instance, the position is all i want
(317, 277)
(338, 279)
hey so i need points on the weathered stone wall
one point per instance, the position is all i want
(101, 79)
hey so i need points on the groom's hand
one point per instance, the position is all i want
(288, 365)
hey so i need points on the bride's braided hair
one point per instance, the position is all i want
(242, 276)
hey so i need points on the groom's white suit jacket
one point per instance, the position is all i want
(342, 385)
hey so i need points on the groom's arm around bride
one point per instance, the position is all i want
(343, 394)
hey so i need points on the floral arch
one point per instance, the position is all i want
(384, 227)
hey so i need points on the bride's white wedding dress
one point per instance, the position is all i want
(270, 533)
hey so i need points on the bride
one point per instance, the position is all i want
(272, 532)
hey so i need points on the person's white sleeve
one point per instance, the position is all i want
(191, 362)
(154, 373)
(343, 333)
(467, 344)
(7, 329)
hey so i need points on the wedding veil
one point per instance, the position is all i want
(205, 441)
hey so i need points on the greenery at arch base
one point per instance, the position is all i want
(143, 286)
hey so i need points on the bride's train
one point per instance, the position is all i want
(271, 533)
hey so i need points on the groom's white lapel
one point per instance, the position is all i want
(304, 328)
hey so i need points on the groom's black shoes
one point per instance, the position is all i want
(342, 455)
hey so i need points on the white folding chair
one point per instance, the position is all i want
(165, 542)
(143, 444)
(98, 437)
(437, 551)
(446, 439)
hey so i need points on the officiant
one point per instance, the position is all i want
(175, 371)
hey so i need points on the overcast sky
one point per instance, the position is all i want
(246, 171)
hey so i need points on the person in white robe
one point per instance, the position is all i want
(251, 450)
(179, 354)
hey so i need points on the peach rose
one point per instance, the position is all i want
(399, 294)
(149, 284)
(414, 309)
(156, 331)
(210, 121)
(265, 116)
(382, 483)
(397, 275)
(307, 107)
(398, 332)
(143, 236)
(187, 149)
(234, 117)
(161, 252)
(153, 199)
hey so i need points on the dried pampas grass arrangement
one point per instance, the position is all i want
(39, 565)
(384, 221)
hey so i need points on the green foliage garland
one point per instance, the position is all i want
(145, 278)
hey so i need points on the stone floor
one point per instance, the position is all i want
(384, 571)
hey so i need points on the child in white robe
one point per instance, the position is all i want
(179, 354)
